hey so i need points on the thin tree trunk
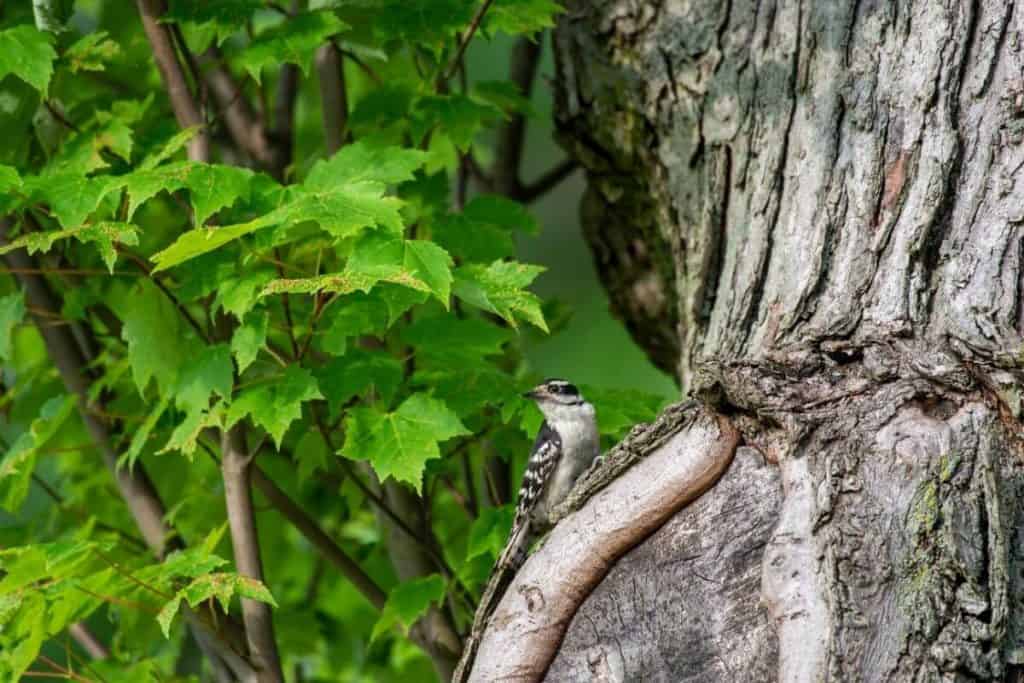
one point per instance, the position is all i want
(811, 213)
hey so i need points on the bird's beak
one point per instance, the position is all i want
(535, 393)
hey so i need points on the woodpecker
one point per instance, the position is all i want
(566, 445)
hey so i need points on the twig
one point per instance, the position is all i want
(63, 120)
(88, 641)
(257, 616)
(308, 527)
(186, 111)
(548, 181)
(474, 24)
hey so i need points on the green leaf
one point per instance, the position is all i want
(26, 52)
(103, 235)
(91, 52)
(352, 316)
(498, 288)
(459, 117)
(185, 436)
(408, 602)
(276, 404)
(71, 195)
(489, 531)
(141, 435)
(211, 186)
(398, 444)
(502, 212)
(12, 311)
(340, 209)
(472, 241)
(208, 374)
(20, 460)
(377, 257)
(505, 95)
(154, 333)
(430, 23)
(363, 161)
(521, 17)
(293, 41)
(190, 563)
(254, 590)
(447, 337)
(167, 613)
(249, 338)
(237, 295)
(10, 188)
(357, 372)
(213, 19)
(618, 410)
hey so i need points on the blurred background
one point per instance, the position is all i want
(594, 348)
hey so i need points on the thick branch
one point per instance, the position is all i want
(136, 487)
(242, 123)
(693, 448)
(435, 632)
(333, 98)
(259, 624)
(509, 150)
(186, 111)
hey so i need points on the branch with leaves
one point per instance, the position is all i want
(205, 247)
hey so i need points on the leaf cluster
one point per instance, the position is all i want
(358, 312)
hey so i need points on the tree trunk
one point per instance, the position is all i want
(811, 212)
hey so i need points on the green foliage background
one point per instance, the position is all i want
(365, 318)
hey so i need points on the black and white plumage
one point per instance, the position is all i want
(567, 444)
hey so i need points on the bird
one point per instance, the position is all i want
(567, 443)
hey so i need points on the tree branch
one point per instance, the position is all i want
(134, 484)
(547, 182)
(659, 468)
(333, 98)
(308, 527)
(474, 24)
(88, 641)
(257, 616)
(186, 111)
(434, 632)
(508, 152)
(242, 123)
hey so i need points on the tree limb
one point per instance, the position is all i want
(259, 625)
(186, 111)
(508, 152)
(136, 487)
(658, 468)
(333, 98)
(474, 24)
(547, 182)
(88, 641)
(244, 126)
(308, 527)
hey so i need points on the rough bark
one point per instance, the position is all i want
(811, 212)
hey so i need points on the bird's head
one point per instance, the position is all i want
(552, 394)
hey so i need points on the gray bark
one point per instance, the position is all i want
(811, 212)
